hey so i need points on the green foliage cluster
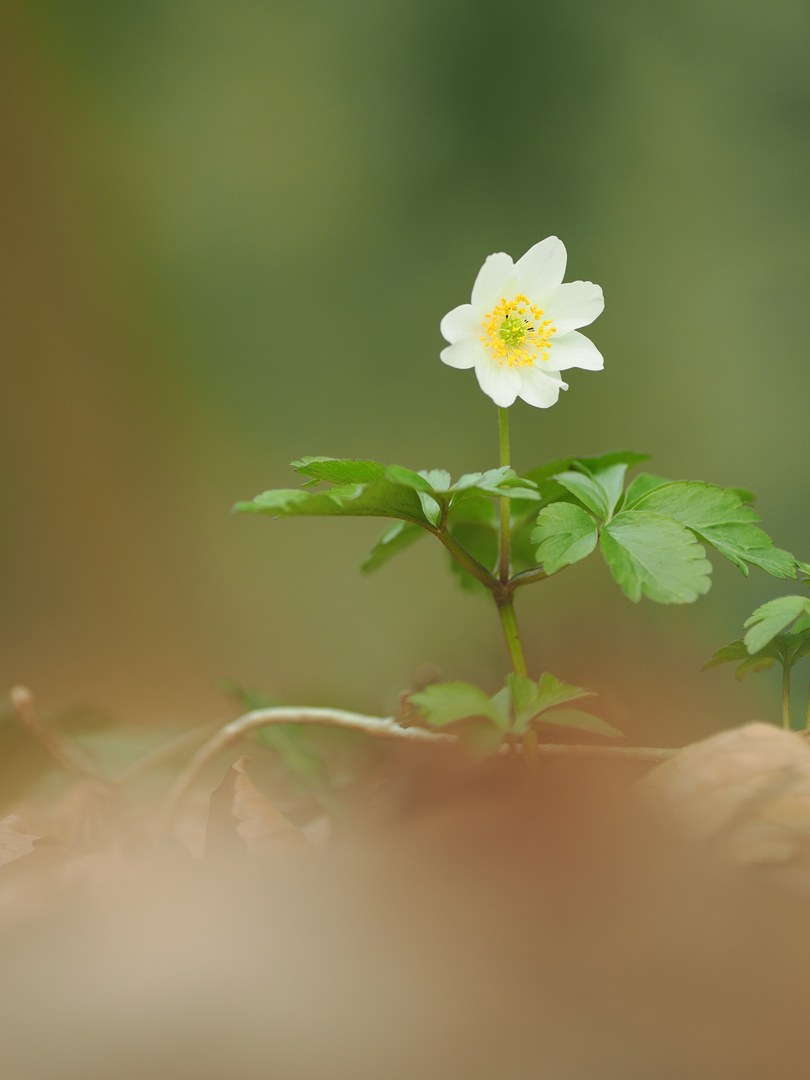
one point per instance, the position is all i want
(486, 722)
(779, 631)
(651, 533)
(503, 530)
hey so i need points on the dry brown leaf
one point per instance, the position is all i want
(239, 812)
(15, 839)
(747, 793)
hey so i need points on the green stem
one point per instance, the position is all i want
(506, 610)
(786, 719)
(807, 712)
(503, 427)
(467, 561)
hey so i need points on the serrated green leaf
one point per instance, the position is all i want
(772, 618)
(397, 474)
(805, 569)
(719, 518)
(340, 470)
(503, 482)
(529, 699)
(280, 501)
(553, 691)
(439, 479)
(643, 483)
(654, 556)
(587, 490)
(730, 653)
(378, 499)
(565, 534)
(395, 539)
(573, 718)
(611, 480)
(442, 704)
(753, 663)
(484, 481)
(736, 653)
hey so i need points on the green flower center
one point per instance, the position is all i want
(515, 332)
(512, 330)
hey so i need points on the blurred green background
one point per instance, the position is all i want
(229, 232)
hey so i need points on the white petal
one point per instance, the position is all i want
(464, 354)
(573, 305)
(499, 383)
(458, 323)
(495, 279)
(542, 267)
(573, 350)
(540, 388)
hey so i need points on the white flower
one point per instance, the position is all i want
(520, 330)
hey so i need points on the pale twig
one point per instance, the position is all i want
(64, 751)
(387, 728)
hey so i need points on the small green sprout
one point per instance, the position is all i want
(767, 641)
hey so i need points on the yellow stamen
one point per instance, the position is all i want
(516, 333)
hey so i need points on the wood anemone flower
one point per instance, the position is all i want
(520, 329)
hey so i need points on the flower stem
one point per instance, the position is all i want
(786, 719)
(506, 610)
(503, 425)
(506, 606)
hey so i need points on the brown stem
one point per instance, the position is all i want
(71, 758)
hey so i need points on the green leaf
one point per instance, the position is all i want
(430, 508)
(573, 718)
(439, 479)
(381, 498)
(612, 482)
(442, 704)
(280, 501)
(736, 653)
(395, 539)
(503, 482)
(565, 534)
(407, 478)
(340, 470)
(719, 518)
(772, 618)
(553, 691)
(643, 483)
(484, 481)
(652, 555)
(587, 490)
(529, 699)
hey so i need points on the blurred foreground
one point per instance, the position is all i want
(553, 919)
